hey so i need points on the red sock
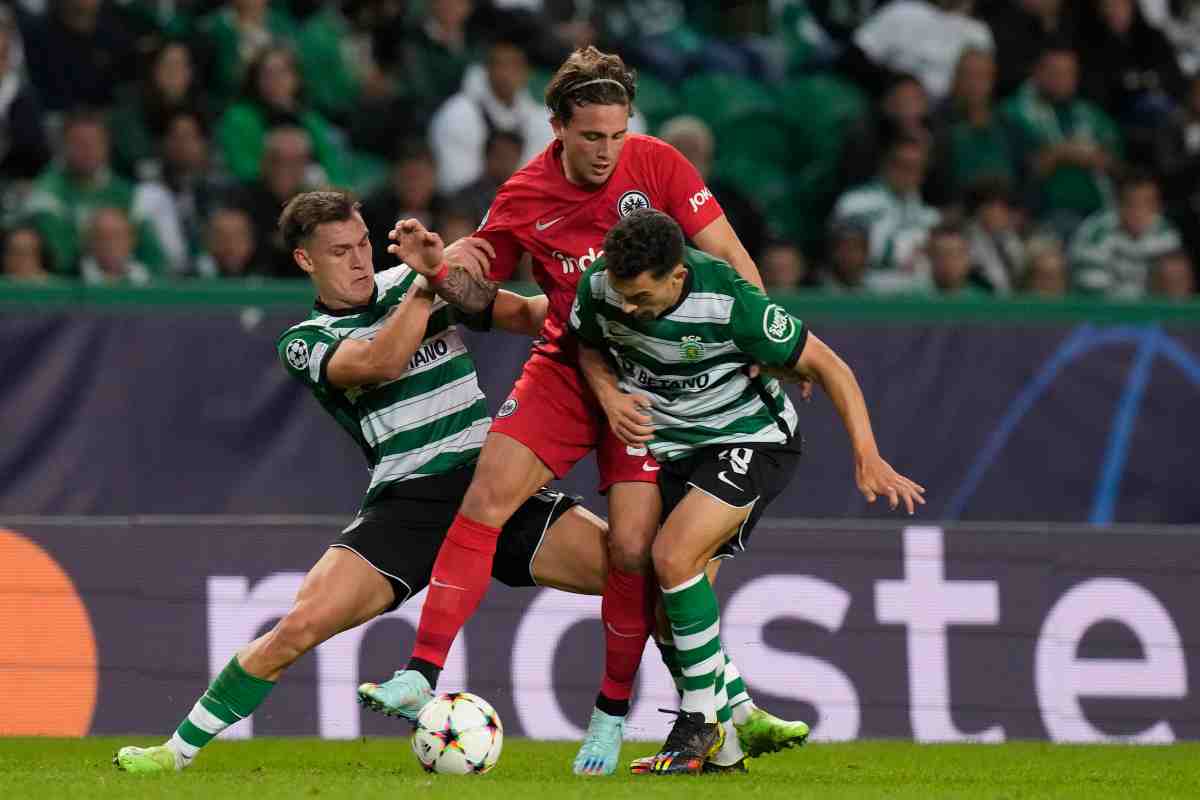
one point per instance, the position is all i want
(460, 580)
(628, 614)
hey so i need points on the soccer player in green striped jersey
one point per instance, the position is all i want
(384, 357)
(688, 337)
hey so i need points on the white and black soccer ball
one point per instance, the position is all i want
(458, 734)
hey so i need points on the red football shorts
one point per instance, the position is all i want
(553, 412)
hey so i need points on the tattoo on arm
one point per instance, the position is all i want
(467, 291)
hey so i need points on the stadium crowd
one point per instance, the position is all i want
(951, 148)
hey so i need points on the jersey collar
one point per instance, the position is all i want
(687, 289)
(348, 312)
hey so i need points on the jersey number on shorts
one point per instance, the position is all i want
(738, 457)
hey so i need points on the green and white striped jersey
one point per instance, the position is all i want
(691, 361)
(1106, 259)
(430, 420)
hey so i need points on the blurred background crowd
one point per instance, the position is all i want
(941, 148)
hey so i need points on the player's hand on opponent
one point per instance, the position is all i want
(420, 249)
(628, 418)
(472, 254)
(875, 477)
(785, 375)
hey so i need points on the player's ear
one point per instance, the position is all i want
(300, 255)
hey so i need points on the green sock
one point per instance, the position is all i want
(233, 695)
(695, 626)
(671, 659)
(720, 697)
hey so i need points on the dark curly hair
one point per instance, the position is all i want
(590, 77)
(304, 212)
(645, 241)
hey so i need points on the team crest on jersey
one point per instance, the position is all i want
(631, 201)
(778, 325)
(691, 348)
(297, 353)
(506, 410)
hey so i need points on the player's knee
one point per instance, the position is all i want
(489, 502)
(629, 553)
(672, 563)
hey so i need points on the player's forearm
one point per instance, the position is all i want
(598, 373)
(465, 290)
(838, 380)
(393, 347)
(517, 314)
(720, 240)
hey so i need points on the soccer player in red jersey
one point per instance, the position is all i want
(558, 209)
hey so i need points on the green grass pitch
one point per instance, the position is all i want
(265, 769)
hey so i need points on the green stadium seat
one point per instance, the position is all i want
(821, 107)
(656, 101)
(717, 97)
(766, 138)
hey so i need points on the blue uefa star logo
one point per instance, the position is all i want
(1152, 343)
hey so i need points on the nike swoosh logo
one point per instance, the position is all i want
(616, 632)
(647, 468)
(721, 477)
(443, 585)
(541, 226)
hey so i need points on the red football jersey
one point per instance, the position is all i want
(562, 226)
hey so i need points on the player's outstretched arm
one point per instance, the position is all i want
(384, 358)
(517, 314)
(459, 273)
(873, 475)
(719, 239)
(626, 412)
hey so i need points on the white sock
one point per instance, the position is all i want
(742, 711)
(184, 752)
(731, 752)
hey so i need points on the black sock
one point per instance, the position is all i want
(426, 668)
(614, 708)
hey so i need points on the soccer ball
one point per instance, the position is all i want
(458, 734)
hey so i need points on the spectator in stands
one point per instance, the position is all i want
(1173, 277)
(273, 96)
(78, 54)
(25, 256)
(891, 208)
(992, 232)
(178, 201)
(1177, 160)
(24, 150)
(109, 257)
(658, 35)
(923, 38)
(1023, 29)
(140, 119)
(903, 110)
(1180, 21)
(1113, 253)
(65, 194)
(233, 36)
(1128, 68)
(337, 60)
(1066, 145)
(782, 265)
(502, 157)
(229, 246)
(495, 98)
(849, 257)
(972, 140)
(287, 169)
(1045, 273)
(410, 192)
(950, 264)
(432, 60)
(692, 137)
